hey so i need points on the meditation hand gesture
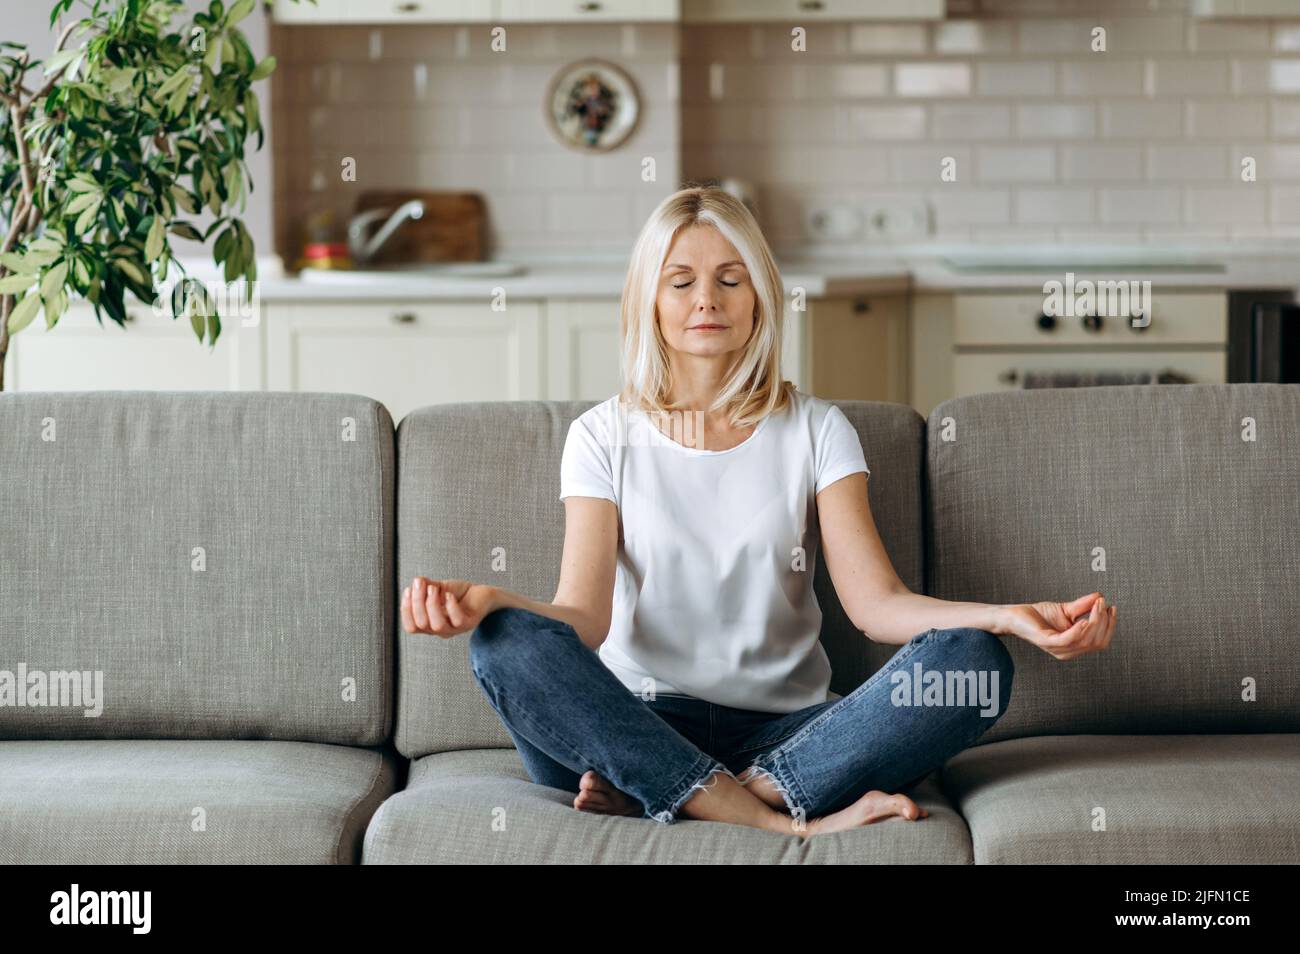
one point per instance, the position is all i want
(1065, 630)
(445, 607)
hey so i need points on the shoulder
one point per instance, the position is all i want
(600, 420)
(812, 412)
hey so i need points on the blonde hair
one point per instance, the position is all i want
(754, 388)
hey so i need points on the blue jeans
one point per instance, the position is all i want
(567, 713)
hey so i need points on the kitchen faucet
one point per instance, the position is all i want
(364, 249)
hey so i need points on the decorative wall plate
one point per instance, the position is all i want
(592, 105)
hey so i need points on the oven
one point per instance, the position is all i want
(1012, 340)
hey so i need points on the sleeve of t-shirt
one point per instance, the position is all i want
(585, 469)
(838, 451)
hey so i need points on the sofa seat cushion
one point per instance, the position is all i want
(479, 806)
(173, 801)
(1163, 799)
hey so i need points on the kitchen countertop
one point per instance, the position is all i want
(927, 268)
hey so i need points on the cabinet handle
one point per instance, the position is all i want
(129, 316)
(811, 5)
(589, 7)
(408, 8)
(1008, 377)
(404, 318)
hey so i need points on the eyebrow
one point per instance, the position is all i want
(689, 269)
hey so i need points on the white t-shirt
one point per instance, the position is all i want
(713, 594)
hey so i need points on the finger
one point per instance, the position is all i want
(408, 621)
(1084, 603)
(437, 618)
(454, 612)
(1067, 637)
(1097, 625)
(418, 592)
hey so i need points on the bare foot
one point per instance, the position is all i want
(600, 797)
(870, 808)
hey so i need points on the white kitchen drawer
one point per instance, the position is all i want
(385, 11)
(1012, 319)
(153, 352)
(754, 11)
(978, 373)
(525, 11)
(408, 354)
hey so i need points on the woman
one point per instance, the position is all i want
(682, 644)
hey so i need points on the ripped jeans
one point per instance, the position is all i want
(567, 713)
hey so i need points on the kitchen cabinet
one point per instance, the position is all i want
(582, 349)
(544, 11)
(757, 11)
(998, 338)
(407, 354)
(154, 352)
(476, 11)
(1243, 8)
(858, 349)
(385, 11)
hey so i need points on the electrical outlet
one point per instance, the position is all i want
(825, 223)
(895, 219)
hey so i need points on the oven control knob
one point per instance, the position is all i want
(1047, 322)
(1091, 322)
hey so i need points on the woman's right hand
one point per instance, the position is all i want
(445, 607)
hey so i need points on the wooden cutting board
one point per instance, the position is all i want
(453, 228)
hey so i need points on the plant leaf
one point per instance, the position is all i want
(153, 244)
(12, 284)
(23, 313)
(263, 69)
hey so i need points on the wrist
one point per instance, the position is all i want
(999, 619)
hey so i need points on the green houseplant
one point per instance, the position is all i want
(135, 119)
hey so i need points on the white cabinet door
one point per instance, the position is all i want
(152, 352)
(755, 11)
(524, 11)
(582, 347)
(384, 11)
(407, 354)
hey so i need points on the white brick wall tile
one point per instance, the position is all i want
(1015, 79)
(1245, 204)
(956, 207)
(1223, 118)
(1102, 77)
(1266, 76)
(932, 79)
(873, 38)
(925, 163)
(869, 123)
(1284, 120)
(1015, 163)
(966, 121)
(1183, 161)
(1055, 121)
(1199, 75)
(1121, 120)
(1083, 163)
(1136, 206)
(1057, 206)
(980, 37)
(1226, 36)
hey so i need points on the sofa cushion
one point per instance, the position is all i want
(174, 801)
(1177, 502)
(478, 806)
(478, 499)
(1163, 799)
(222, 560)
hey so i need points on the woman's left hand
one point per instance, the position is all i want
(1065, 630)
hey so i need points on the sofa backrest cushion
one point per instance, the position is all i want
(1178, 502)
(223, 559)
(477, 499)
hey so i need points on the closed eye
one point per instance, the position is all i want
(692, 282)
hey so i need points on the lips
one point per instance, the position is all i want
(707, 328)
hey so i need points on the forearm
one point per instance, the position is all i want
(898, 618)
(590, 631)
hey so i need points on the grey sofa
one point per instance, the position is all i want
(257, 694)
